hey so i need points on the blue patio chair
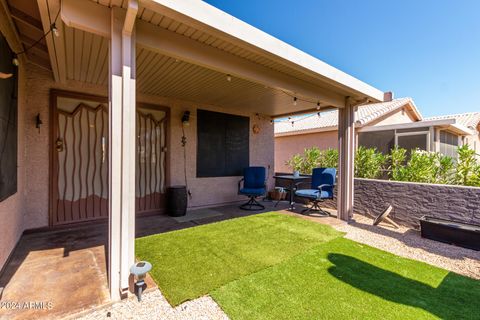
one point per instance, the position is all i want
(321, 188)
(254, 185)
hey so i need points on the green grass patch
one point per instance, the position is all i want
(192, 262)
(343, 279)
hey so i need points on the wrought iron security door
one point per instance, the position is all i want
(79, 184)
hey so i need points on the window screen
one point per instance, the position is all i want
(384, 141)
(448, 144)
(412, 142)
(223, 144)
(8, 123)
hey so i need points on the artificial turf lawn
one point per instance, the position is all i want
(343, 279)
(192, 262)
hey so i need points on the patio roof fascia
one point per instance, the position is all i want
(443, 123)
(205, 16)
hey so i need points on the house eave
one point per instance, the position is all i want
(206, 17)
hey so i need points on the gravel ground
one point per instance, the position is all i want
(403, 242)
(155, 306)
(408, 243)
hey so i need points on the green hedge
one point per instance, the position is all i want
(399, 165)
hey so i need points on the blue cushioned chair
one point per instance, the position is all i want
(254, 185)
(321, 188)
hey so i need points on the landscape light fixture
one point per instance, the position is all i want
(139, 270)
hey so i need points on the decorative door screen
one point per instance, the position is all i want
(80, 160)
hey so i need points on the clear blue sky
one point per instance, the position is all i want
(425, 49)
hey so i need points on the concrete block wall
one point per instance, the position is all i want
(411, 201)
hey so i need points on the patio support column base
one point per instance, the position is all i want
(121, 147)
(346, 150)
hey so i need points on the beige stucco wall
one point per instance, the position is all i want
(287, 146)
(205, 191)
(11, 209)
(397, 117)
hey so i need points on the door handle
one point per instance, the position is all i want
(59, 144)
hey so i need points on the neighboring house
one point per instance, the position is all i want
(91, 115)
(470, 120)
(380, 125)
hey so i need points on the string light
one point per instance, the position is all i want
(53, 29)
(229, 78)
(318, 105)
(294, 101)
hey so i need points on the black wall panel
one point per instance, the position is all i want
(222, 144)
(8, 123)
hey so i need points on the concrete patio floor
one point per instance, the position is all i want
(63, 271)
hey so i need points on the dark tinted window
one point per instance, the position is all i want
(223, 144)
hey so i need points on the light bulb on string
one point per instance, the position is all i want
(55, 30)
(294, 101)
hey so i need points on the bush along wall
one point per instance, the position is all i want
(399, 165)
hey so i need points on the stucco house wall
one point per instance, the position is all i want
(29, 207)
(396, 117)
(286, 146)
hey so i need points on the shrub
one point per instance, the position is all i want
(467, 170)
(329, 158)
(420, 166)
(313, 158)
(398, 159)
(369, 163)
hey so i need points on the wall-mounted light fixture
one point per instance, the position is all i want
(38, 122)
(186, 118)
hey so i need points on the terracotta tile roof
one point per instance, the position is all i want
(365, 114)
(469, 120)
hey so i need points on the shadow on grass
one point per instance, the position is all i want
(456, 297)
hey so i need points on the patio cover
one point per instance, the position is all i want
(191, 51)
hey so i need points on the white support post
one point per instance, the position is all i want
(122, 117)
(346, 149)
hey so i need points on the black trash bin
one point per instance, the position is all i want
(177, 201)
